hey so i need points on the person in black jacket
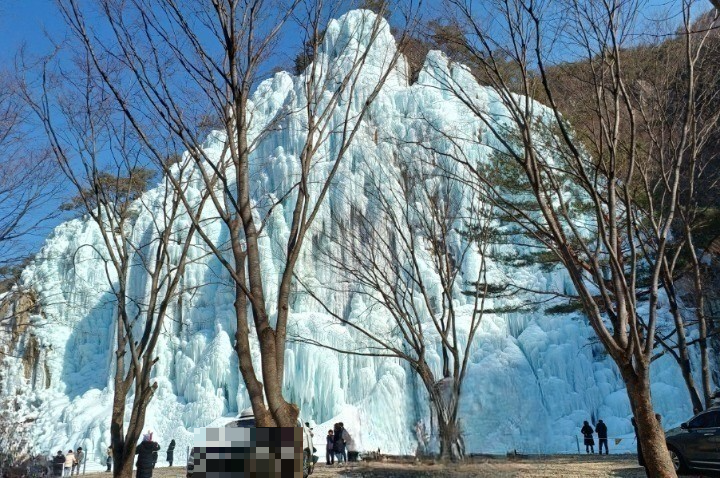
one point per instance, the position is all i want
(601, 430)
(588, 440)
(339, 443)
(330, 448)
(344, 439)
(58, 463)
(171, 452)
(146, 460)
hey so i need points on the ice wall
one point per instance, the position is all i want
(533, 377)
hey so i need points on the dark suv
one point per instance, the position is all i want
(696, 443)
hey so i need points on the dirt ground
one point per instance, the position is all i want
(624, 466)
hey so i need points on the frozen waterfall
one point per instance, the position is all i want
(533, 379)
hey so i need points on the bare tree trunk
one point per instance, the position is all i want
(242, 348)
(445, 362)
(449, 440)
(686, 369)
(650, 433)
(452, 446)
(143, 394)
(122, 467)
(444, 400)
(699, 296)
(122, 459)
(682, 356)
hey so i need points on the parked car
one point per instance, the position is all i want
(695, 445)
(246, 419)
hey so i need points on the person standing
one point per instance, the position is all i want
(171, 452)
(338, 443)
(108, 458)
(70, 462)
(58, 463)
(79, 457)
(330, 448)
(601, 430)
(145, 460)
(350, 446)
(344, 437)
(588, 440)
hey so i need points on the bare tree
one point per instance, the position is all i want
(181, 60)
(15, 439)
(27, 182)
(106, 164)
(677, 118)
(701, 51)
(404, 256)
(596, 167)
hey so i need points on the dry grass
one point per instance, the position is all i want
(563, 466)
(536, 467)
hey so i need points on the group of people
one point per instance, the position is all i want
(587, 432)
(340, 445)
(147, 452)
(68, 464)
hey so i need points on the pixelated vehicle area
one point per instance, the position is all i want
(246, 420)
(237, 452)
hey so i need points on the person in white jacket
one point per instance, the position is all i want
(350, 445)
(70, 461)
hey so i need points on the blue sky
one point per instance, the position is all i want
(23, 21)
(33, 22)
